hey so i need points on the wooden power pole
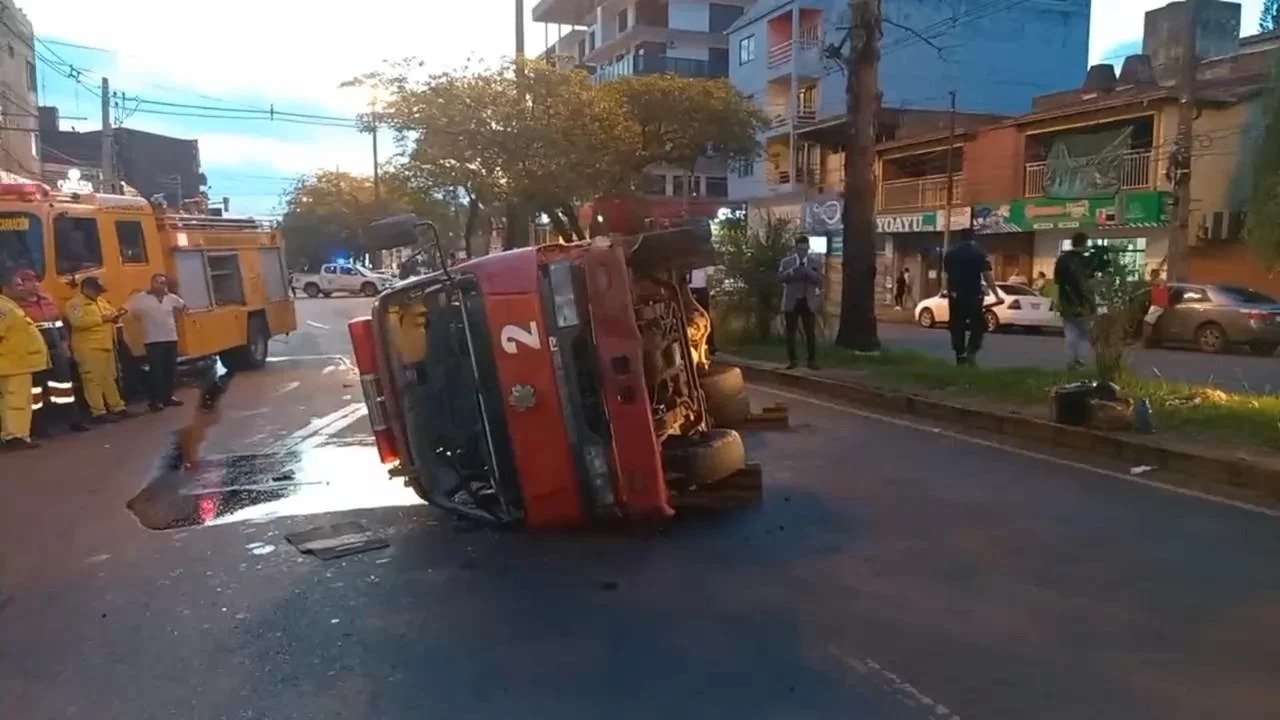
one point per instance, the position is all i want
(858, 293)
(1180, 163)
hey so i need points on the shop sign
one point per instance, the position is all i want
(919, 222)
(823, 215)
(1145, 207)
(73, 183)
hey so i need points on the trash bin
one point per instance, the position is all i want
(1069, 404)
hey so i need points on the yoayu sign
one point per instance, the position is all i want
(920, 222)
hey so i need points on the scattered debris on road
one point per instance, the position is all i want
(335, 541)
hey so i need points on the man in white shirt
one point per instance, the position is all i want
(157, 310)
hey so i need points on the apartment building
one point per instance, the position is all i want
(996, 56)
(19, 144)
(619, 38)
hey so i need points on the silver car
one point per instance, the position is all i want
(1214, 318)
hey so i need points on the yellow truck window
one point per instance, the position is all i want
(133, 244)
(77, 246)
(21, 242)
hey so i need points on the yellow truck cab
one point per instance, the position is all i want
(230, 271)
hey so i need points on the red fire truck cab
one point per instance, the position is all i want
(555, 386)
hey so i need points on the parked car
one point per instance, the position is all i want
(336, 277)
(1023, 307)
(1215, 318)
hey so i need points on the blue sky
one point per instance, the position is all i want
(251, 54)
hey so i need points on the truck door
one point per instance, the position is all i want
(77, 252)
(328, 278)
(348, 278)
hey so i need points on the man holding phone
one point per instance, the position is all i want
(93, 344)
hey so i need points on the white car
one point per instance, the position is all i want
(336, 277)
(1023, 307)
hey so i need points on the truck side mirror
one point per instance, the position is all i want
(389, 233)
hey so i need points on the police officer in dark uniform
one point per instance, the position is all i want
(967, 268)
(56, 385)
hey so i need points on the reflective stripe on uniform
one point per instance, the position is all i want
(61, 385)
(54, 325)
(60, 393)
(36, 391)
(37, 398)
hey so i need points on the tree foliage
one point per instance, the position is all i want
(546, 139)
(750, 259)
(1270, 19)
(1262, 229)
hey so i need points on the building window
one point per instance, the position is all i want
(591, 39)
(582, 49)
(10, 51)
(76, 245)
(1132, 253)
(655, 184)
(746, 49)
(716, 186)
(224, 277)
(720, 17)
(677, 185)
(31, 77)
(745, 167)
(133, 244)
(622, 21)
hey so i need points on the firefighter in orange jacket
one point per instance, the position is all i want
(22, 353)
(55, 387)
(93, 343)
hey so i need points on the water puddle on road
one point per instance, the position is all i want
(231, 488)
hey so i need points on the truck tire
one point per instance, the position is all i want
(368, 289)
(715, 456)
(729, 412)
(311, 289)
(722, 382)
(253, 354)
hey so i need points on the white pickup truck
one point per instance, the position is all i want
(335, 277)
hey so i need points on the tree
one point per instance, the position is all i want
(538, 137)
(324, 214)
(676, 120)
(1262, 228)
(1270, 19)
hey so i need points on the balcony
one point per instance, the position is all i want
(805, 53)
(1137, 171)
(780, 118)
(917, 193)
(657, 65)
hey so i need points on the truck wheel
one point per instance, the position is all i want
(722, 381)
(368, 289)
(730, 412)
(327, 294)
(311, 289)
(253, 354)
(715, 456)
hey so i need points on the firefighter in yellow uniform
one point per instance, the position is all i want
(22, 353)
(93, 344)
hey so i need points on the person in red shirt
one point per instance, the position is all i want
(57, 398)
(1159, 302)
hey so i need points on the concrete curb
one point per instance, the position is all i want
(1225, 470)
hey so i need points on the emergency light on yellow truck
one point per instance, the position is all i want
(230, 271)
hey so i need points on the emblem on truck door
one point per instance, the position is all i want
(512, 335)
(521, 397)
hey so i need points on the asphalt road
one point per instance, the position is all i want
(891, 572)
(1016, 349)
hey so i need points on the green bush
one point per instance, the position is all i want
(748, 294)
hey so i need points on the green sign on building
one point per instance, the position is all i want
(1144, 208)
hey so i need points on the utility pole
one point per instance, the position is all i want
(519, 30)
(377, 184)
(951, 177)
(858, 301)
(1180, 163)
(517, 231)
(108, 140)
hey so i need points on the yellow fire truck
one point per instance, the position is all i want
(230, 271)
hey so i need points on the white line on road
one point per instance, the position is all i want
(324, 433)
(891, 682)
(1025, 453)
(318, 425)
(288, 358)
(315, 324)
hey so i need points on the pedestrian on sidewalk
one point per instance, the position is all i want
(1040, 282)
(93, 344)
(900, 289)
(801, 278)
(701, 293)
(1158, 302)
(1073, 276)
(157, 310)
(967, 268)
(908, 297)
(22, 354)
(56, 385)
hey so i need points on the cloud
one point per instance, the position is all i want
(280, 50)
(1117, 25)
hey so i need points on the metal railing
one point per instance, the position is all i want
(925, 192)
(1137, 170)
(776, 177)
(780, 115)
(809, 44)
(657, 65)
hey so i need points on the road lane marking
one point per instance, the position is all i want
(894, 684)
(324, 434)
(316, 426)
(1270, 512)
(289, 358)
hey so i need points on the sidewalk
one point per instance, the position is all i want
(887, 314)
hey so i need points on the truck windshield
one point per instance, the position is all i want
(21, 242)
